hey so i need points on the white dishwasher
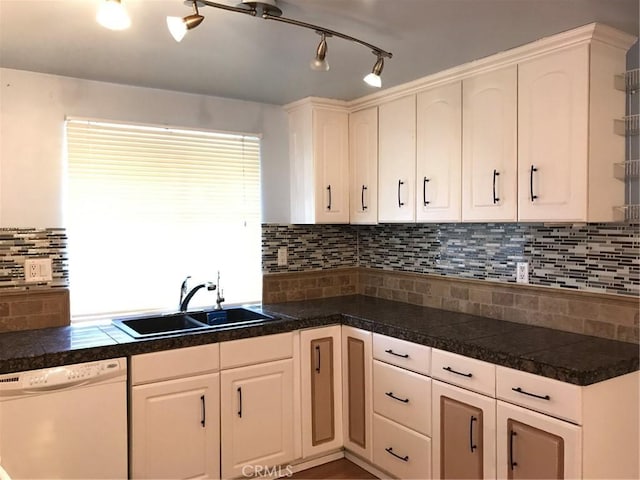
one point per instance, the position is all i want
(65, 422)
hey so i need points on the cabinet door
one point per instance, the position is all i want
(463, 433)
(175, 428)
(489, 148)
(331, 155)
(397, 160)
(553, 119)
(363, 162)
(439, 154)
(321, 390)
(357, 385)
(533, 445)
(256, 417)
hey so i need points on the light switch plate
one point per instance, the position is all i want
(38, 270)
(282, 256)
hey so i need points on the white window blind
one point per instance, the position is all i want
(147, 206)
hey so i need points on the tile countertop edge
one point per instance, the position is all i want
(107, 346)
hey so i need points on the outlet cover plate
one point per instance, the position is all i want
(522, 272)
(37, 270)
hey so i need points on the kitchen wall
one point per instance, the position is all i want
(33, 108)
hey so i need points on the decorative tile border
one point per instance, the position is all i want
(16, 245)
(601, 258)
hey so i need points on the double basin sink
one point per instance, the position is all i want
(153, 326)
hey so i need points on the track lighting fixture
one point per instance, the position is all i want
(178, 27)
(373, 78)
(268, 10)
(320, 64)
(112, 15)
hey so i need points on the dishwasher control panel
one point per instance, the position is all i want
(62, 376)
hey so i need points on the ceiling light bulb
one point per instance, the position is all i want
(113, 15)
(320, 64)
(178, 27)
(373, 78)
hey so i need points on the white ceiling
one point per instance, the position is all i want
(238, 56)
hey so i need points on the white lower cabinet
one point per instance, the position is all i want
(257, 406)
(175, 422)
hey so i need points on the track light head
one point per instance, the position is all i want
(178, 27)
(320, 64)
(112, 15)
(373, 78)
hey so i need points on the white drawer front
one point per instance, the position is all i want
(402, 396)
(402, 353)
(559, 399)
(251, 351)
(400, 451)
(466, 372)
(168, 364)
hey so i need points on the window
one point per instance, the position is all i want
(147, 206)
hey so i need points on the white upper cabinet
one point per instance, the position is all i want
(319, 162)
(397, 160)
(438, 154)
(363, 166)
(489, 146)
(567, 105)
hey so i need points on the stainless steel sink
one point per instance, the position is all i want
(158, 325)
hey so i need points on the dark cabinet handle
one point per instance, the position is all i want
(329, 190)
(541, 397)
(403, 400)
(364, 207)
(472, 446)
(402, 355)
(240, 402)
(424, 191)
(317, 359)
(511, 462)
(495, 174)
(400, 204)
(204, 412)
(533, 169)
(449, 369)
(390, 450)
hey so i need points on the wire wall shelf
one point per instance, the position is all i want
(628, 169)
(628, 213)
(628, 81)
(628, 125)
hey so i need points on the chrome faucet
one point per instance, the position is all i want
(219, 294)
(185, 297)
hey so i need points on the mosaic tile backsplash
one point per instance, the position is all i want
(16, 245)
(595, 257)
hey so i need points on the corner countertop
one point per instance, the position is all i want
(568, 357)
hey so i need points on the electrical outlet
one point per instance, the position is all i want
(282, 256)
(37, 270)
(522, 272)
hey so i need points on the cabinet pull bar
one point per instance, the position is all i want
(364, 207)
(403, 355)
(471, 444)
(511, 462)
(403, 400)
(424, 191)
(390, 450)
(329, 190)
(541, 397)
(495, 174)
(240, 402)
(204, 412)
(317, 359)
(533, 169)
(449, 369)
(400, 203)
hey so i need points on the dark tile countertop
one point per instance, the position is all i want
(569, 357)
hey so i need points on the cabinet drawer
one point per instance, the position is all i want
(402, 396)
(250, 351)
(545, 395)
(466, 372)
(400, 451)
(402, 353)
(167, 364)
